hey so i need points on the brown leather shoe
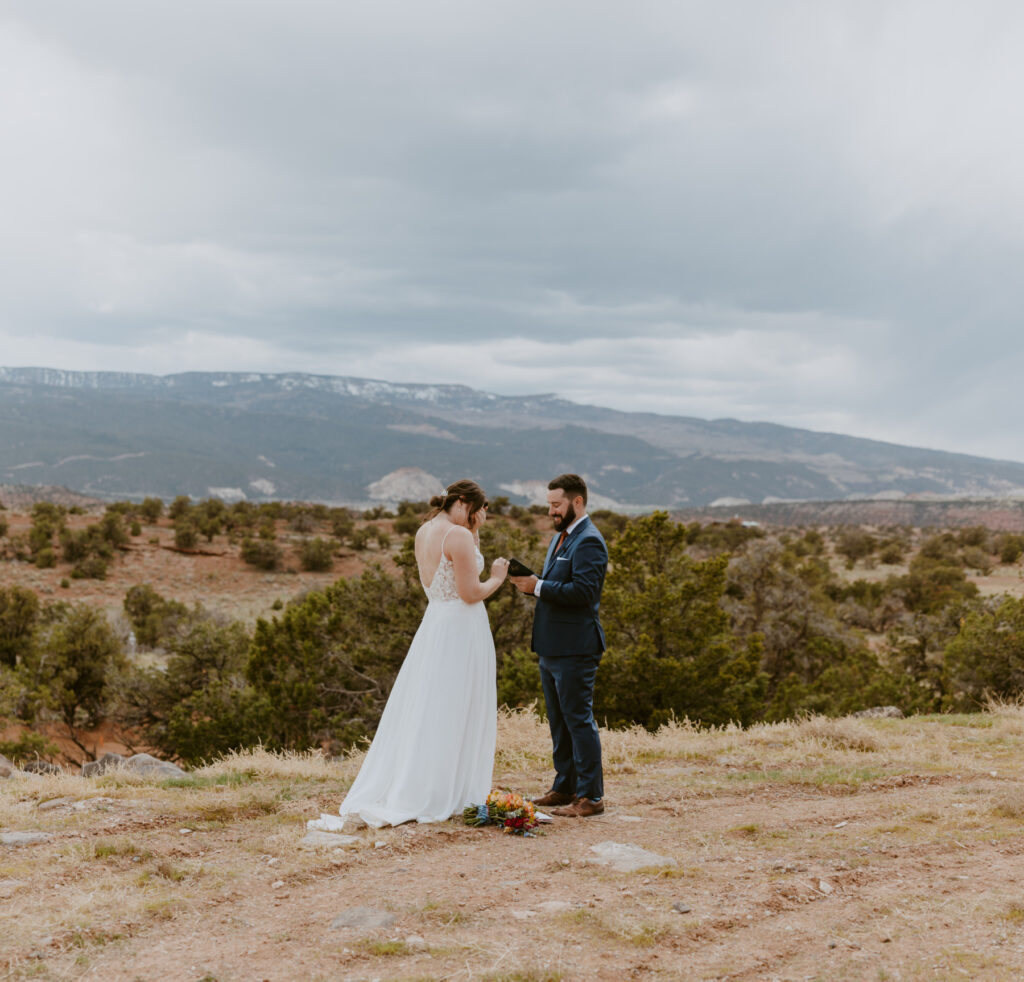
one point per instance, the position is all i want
(581, 808)
(554, 798)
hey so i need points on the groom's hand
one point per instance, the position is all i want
(524, 583)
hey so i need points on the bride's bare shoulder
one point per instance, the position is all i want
(459, 539)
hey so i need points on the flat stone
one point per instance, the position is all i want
(681, 908)
(315, 839)
(9, 887)
(626, 858)
(149, 765)
(555, 906)
(23, 838)
(53, 803)
(94, 768)
(145, 764)
(879, 712)
(364, 918)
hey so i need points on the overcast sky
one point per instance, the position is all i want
(804, 212)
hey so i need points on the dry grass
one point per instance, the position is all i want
(785, 835)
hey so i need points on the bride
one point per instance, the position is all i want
(434, 749)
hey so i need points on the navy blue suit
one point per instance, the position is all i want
(569, 641)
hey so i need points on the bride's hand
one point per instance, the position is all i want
(499, 569)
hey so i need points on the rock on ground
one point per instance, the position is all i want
(93, 768)
(626, 858)
(362, 917)
(23, 838)
(315, 839)
(880, 712)
(6, 767)
(139, 763)
(53, 803)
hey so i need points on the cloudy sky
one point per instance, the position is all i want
(806, 212)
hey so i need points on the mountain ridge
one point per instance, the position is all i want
(333, 437)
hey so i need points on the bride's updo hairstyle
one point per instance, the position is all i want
(465, 490)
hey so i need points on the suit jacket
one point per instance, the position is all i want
(565, 621)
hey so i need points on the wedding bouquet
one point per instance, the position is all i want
(510, 810)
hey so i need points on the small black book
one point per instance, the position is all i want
(516, 568)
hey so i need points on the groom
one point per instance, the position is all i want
(568, 639)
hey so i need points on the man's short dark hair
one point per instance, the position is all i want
(572, 484)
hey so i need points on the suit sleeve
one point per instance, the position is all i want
(589, 563)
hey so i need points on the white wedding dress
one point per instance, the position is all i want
(433, 753)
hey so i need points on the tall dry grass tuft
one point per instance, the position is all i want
(676, 738)
(258, 763)
(837, 734)
(1007, 715)
(523, 739)
(1010, 804)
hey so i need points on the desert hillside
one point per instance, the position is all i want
(822, 849)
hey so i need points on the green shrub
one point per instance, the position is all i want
(68, 668)
(90, 567)
(180, 507)
(200, 705)
(151, 509)
(186, 533)
(316, 555)
(987, 656)
(407, 524)
(261, 553)
(46, 558)
(152, 616)
(19, 616)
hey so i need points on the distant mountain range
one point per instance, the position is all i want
(351, 440)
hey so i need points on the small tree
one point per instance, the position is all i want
(671, 652)
(987, 656)
(181, 506)
(152, 616)
(855, 544)
(19, 615)
(70, 665)
(200, 705)
(151, 509)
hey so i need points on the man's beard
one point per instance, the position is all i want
(564, 521)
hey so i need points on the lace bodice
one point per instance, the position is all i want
(442, 586)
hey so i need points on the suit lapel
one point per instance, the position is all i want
(550, 556)
(569, 540)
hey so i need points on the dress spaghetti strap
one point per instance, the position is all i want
(445, 539)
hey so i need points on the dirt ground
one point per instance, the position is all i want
(213, 574)
(824, 849)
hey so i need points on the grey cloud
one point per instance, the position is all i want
(328, 178)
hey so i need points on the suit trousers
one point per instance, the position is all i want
(568, 683)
